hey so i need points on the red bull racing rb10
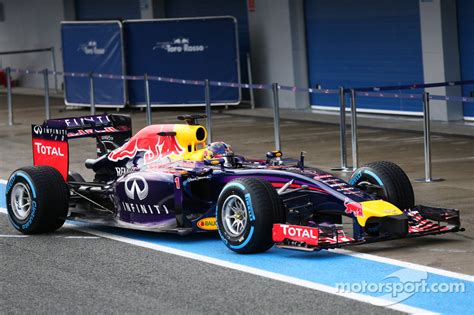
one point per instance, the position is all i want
(166, 178)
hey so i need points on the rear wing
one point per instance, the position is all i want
(50, 139)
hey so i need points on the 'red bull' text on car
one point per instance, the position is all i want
(166, 178)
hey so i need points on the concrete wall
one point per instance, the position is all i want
(31, 24)
(439, 39)
(278, 49)
(146, 9)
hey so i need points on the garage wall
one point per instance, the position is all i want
(31, 24)
(107, 9)
(277, 37)
(235, 8)
(466, 49)
(364, 43)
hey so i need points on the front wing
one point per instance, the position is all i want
(422, 221)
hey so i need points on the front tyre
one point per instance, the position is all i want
(37, 199)
(246, 211)
(391, 182)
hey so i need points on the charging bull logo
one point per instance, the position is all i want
(353, 207)
(148, 141)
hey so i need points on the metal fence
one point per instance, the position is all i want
(355, 93)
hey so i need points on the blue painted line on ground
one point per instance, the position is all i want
(2, 196)
(324, 267)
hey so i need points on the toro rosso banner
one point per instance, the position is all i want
(93, 47)
(195, 49)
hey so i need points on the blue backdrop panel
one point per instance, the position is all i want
(93, 47)
(361, 44)
(193, 49)
(466, 48)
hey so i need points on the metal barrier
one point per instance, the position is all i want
(27, 51)
(149, 118)
(92, 94)
(415, 86)
(355, 144)
(427, 141)
(207, 97)
(426, 125)
(47, 110)
(275, 87)
(276, 116)
(9, 96)
(249, 70)
(342, 133)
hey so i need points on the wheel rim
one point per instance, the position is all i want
(20, 201)
(234, 215)
(376, 193)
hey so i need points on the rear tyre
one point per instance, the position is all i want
(395, 186)
(247, 208)
(37, 199)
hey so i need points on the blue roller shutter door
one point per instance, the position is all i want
(364, 43)
(466, 49)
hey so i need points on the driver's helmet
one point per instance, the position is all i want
(216, 150)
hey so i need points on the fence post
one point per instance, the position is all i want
(55, 74)
(427, 141)
(47, 110)
(9, 96)
(207, 99)
(249, 70)
(355, 146)
(342, 132)
(276, 116)
(91, 91)
(147, 101)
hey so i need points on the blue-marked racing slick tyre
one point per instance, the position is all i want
(385, 180)
(246, 211)
(37, 199)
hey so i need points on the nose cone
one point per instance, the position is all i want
(377, 208)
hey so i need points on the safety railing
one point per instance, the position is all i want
(377, 92)
(39, 50)
(425, 98)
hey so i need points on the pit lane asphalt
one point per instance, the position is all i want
(57, 274)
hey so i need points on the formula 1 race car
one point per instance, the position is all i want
(166, 178)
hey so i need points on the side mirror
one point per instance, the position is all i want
(274, 154)
(219, 161)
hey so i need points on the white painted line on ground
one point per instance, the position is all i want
(13, 235)
(405, 264)
(442, 250)
(3, 181)
(255, 271)
(83, 237)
